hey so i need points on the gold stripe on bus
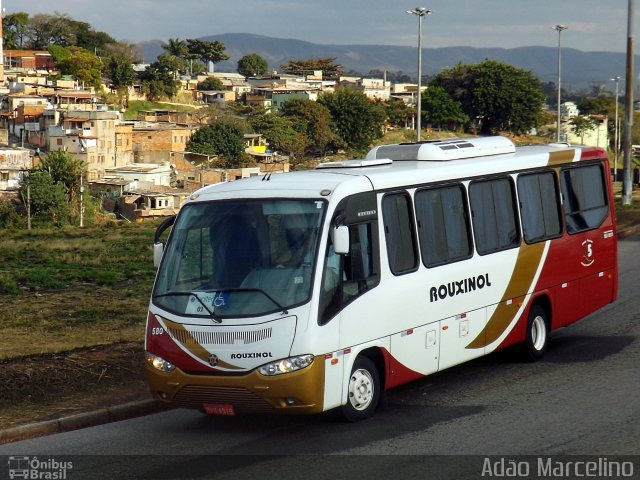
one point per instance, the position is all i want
(192, 345)
(529, 257)
(561, 156)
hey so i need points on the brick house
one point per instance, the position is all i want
(153, 143)
(90, 136)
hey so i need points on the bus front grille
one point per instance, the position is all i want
(242, 399)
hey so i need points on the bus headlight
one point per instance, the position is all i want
(286, 365)
(159, 363)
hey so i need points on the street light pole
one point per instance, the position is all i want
(559, 28)
(615, 132)
(419, 12)
(81, 201)
(627, 186)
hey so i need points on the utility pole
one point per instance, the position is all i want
(559, 28)
(616, 134)
(419, 12)
(1, 47)
(627, 186)
(28, 202)
(81, 202)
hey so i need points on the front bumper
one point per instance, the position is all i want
(300, 392)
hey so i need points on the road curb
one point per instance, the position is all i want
(81, 420)
(627, 232)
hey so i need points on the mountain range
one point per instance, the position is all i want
(580, 69)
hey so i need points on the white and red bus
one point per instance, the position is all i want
(322, 289)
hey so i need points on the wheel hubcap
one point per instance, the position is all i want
(360, 389)
(538, 333)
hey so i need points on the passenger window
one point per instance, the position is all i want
(346, 277)
(359, 275)
(585, 199)
(443, 226)
(539, 206)
(399, 233)
(495, 227)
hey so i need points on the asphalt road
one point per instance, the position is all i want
(582, 398)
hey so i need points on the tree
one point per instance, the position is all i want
(122, 77)
(207, 114)
(177, 53)
(9, 217)
(44, 30)
(89, 39)
(49, 200)
(176, 47)
(314, 121)
(252, 65)
(120, 70)
(222, 138)
(82, 64)
(158, 80)
(356, 120)
(598, 106)
(14, 29)
(126, 51)
(206, 52)
(440, 110)
(330, 70)
(500, 96)
(211, 83)
(64, 169)
(280, 134)
(582, 125)
(398, 113)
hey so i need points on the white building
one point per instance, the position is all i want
(14, 163)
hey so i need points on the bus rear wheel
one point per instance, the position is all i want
(363, 391)
(537, 333)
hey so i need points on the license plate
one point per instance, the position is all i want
(219, 409)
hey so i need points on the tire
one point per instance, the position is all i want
(363, 391)
(537, 334)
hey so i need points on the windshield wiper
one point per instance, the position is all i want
(231, 290)
(211, 312)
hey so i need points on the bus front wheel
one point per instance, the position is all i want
(537, 333)
(363, 390)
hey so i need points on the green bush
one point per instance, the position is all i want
(9, 217)
(8, 284)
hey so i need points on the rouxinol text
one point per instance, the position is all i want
(452, 289)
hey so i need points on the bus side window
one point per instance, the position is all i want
(586, 204)
(330, 293)
(358, 265)
(495, 222)
(400, 233)
(539, 206)
(443, 225)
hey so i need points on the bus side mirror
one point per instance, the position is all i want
(158, 251)
(341, 240)
(158, 246)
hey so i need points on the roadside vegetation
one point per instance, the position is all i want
(66, 288)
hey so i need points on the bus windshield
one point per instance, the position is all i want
(240, 258)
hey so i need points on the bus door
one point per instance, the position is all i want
(587, 210)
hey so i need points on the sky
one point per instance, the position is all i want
(593, 25)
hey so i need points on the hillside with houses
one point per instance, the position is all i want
(143, 163)
(142, 167)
